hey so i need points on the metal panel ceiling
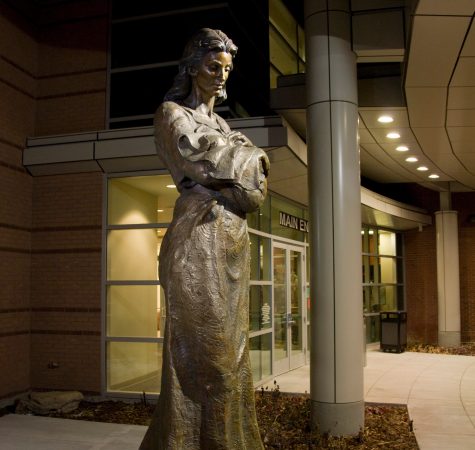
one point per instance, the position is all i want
(438, 123)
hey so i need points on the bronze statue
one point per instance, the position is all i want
(207, 396)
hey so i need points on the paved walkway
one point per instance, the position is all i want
(18, 432)
(438, 389)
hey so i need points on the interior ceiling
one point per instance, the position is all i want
(437, 125)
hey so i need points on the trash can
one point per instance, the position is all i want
(393, 336)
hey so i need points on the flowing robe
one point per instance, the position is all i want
(207, 396)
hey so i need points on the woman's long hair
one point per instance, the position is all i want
(204, 41)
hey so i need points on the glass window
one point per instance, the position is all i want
(307, 264)
(372, 235)
(265, 215)
(260, 257)
(388, 272)
(253, 220)
(309, 336)
(134, 366)
(139, 210)
(133, 254)
(383, 288)
(147, 41)
(371, 299)
(388, 298)
(260, 308)
(386, 243)
(282, 20)
(260, 219)
(286, 42)
(301, 41)
(143, 57)
(137, 92)
(140, 200)
(273, 74)
(261, 356)
(371, 269)
(135, 311)
(372, 328)
(124, 9)
(282, 57)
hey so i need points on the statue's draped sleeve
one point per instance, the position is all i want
(202, 150)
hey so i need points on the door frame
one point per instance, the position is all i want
(293, 360)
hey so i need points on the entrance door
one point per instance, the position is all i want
(289, 312)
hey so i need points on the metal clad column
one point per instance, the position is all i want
(336, 371)
(448, 278)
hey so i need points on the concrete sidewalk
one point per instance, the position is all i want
(438, 389)
(18, 432)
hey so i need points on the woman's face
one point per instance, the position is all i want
(212, 73)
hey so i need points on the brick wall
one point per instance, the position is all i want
(52, 81)
(464, 203)
(67, 209)
(73, 41)
(66, 281)
(18, 64)
(421, 274)
(421, 285)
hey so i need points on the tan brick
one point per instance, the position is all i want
(78, 359)
(15, 364)
(72, 84)
(74, 47)
(15, 271)
(71, 114)
(421, 285)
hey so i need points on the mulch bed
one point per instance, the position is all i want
(284, 421)
(467, 349)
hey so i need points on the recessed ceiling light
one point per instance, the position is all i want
(159, 210)
(171, 186)
(434, 175)
(385, 119)
(412, 159)
(393, 135)
(402, 148)
(422, 168)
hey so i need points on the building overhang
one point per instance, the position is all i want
(384, 212)
(133, 150)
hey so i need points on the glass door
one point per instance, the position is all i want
(289, 312)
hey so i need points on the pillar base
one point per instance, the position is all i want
(338, 419)
(449, 338)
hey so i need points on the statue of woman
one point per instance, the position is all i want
(207, 396)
